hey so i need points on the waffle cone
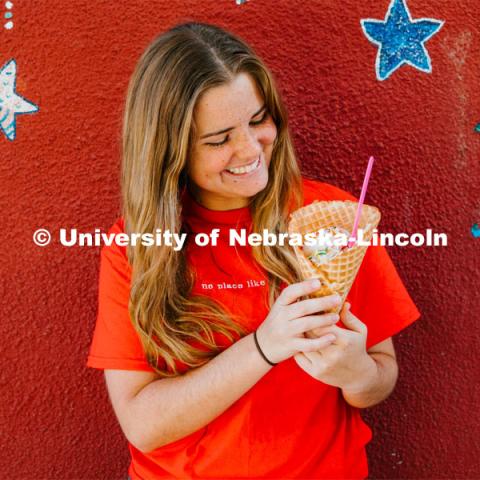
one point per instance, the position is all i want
(338, 274)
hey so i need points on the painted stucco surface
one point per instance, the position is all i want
(74, 60)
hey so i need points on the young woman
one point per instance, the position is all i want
(216, 362)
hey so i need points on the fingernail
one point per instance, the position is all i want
(315, 283)
(330, 338)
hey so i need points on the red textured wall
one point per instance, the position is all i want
(74, 60)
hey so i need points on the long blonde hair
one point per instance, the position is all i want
(158, 131)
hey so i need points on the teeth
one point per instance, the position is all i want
(247, 169)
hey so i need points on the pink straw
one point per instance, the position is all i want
(360, 202)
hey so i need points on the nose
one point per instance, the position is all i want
(249, 147)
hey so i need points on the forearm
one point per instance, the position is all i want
(378, 383)
(172, 408)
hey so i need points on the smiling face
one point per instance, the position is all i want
(232, 151)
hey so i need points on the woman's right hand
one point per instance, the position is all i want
(281, 335)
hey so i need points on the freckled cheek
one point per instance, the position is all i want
(209, 164)
(215, 165)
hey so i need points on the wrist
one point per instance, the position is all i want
(260, 350)
(365, 379)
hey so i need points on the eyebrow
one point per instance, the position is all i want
(225, 130)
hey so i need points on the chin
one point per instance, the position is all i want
(256, 187)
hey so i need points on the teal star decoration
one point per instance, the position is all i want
(477, 128)
(400, 39)
(476, 230)
(11, 104)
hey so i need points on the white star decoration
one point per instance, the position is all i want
(11, 104)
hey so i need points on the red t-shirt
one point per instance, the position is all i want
(288, 425)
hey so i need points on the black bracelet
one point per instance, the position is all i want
(260, 350)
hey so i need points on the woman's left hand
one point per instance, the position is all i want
(345, 363)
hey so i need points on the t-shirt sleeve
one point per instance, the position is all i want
(379, 298)
(115, 343)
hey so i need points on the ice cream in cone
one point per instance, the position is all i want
(334, 263)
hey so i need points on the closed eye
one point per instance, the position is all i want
(227, 137)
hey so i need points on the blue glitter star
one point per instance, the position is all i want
(11, 104)
(476, 230)
(400, 39)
